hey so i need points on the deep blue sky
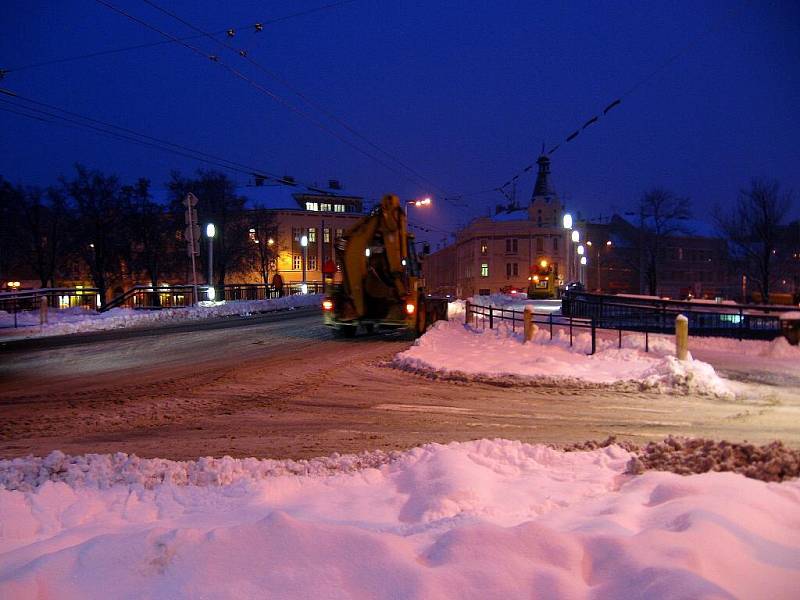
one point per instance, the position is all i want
(465, 92)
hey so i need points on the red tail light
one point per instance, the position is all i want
(327, 304)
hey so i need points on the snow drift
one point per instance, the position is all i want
(453, 349)
(484, 519)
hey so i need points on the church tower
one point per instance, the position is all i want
(545, 208)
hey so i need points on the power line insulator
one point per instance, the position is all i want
(231, 32)
(213, 58)
(243, 53)
(259, 27)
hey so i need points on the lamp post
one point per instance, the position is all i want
(423, 202)
(583, 265)
(211, 231)
(582, 259)
(575, 237)
(14, 285)
(304, 244)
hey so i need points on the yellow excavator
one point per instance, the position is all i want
(382, 286)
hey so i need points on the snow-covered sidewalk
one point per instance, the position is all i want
(453, 349)
(78, 320)
(484, 519)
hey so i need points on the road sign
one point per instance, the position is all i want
(190, 216)
(190, 200)
(192, 233)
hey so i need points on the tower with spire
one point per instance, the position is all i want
(545, 207)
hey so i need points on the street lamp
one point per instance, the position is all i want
(14, 285)
(583, 264)
(211, 231)
(304, 244)
(567, 221)
(423, 202)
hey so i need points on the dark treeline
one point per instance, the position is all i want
(94, 226)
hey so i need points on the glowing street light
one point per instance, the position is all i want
(421, 202)
(581, 250)
(576, 236)
(211, 231)
(583, 260)
(304, 245)
(567, 221)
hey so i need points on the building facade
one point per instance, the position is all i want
(507, 250)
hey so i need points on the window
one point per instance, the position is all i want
(297, 262)
(312, 262)
(339, 233)
(312, 206)
(555, 244)
(540, 244)
(484, 269)
(338, 208)
(484, 246)
(516, 269)
(325, 207)
(312, 235)
(512, 245)
(508, 269)
(326, 235)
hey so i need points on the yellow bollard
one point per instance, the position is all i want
(530, 327)
(43, 310)
(681, 337)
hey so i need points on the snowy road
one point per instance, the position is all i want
(281, 385)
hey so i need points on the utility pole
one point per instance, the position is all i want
(192, 236)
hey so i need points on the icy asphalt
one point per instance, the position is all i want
(282, 386)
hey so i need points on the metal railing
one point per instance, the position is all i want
(488, 315)
(58, 298)
(759, 322)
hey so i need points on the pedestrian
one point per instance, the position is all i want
(277, 283)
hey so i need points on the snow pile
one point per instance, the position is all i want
(485, 519)
(452, 349)
(106, 470)
(516, 302)
(770, 462)
(78, 320)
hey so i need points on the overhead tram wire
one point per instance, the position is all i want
(270, 73)
(631, 90)
(257, 26)
(257, 86)
(142, 139)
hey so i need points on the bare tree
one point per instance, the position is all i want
(756, 232)
(11, 254)
(218, 204)
(100, 215)
(44, 220)
(151, 233)
(263, 235)
(661, 215)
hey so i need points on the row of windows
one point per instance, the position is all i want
(325, 207)
(512, 245)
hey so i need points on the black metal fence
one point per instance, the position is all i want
(484, 316)
(742, 321)
(142, 296)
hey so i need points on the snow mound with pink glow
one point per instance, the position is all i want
(453, 349)
(484, 519)
(77, 320)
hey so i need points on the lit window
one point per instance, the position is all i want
(339, 233)
(484, 269)
(338, 208)
(484, 246)
(312, 262)
(312, 206)
(297, 262)
(312, 235)
(325, 207)
(326, 235)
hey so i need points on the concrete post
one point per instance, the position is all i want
(681, 337)
(43, 310)
(530, 328)
(467, 312)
